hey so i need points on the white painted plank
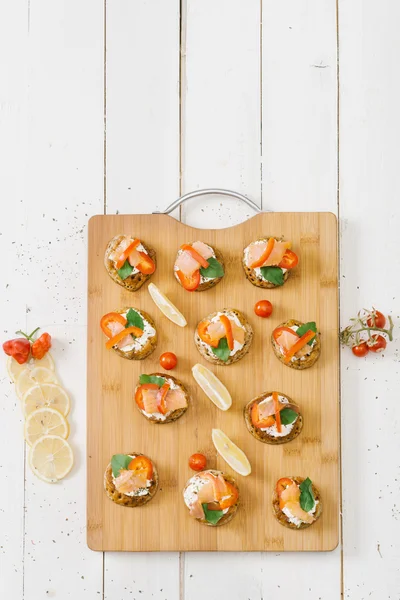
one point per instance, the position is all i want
(13, 33)
(142, 175)
(299, 105)
(370, 187)
(62, 182)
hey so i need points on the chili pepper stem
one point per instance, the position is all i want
(30, 336)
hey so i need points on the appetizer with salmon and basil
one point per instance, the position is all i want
(131, 479)
(273, 418)
(131, 333)
(297, 344)
(267, 262)
(129, 261)
(161, 398)
(296, 502)
(198, 266)
(212, 497)
(224, 337)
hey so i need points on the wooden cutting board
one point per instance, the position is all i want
(116, 426)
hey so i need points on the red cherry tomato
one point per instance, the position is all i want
(263, 308)
(168, 360)
(289, 260)
(197, 462)
(360, 350)
(380, 320)
(378, 343)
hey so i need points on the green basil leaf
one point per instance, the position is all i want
(273, 275)
(125, 270)
(151, 379)
(222, 351)
(288, 416)
(307, 499)
(212, 516)
(214, 269)
(306, 327)
(118, 462)
(134, 319)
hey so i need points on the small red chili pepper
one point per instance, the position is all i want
(19, 349)
(41, 346)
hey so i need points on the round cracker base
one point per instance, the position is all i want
(133, 282)
(282, 518)
(228, 516)
(252, 276)
(263, 436)
(206, 285)
(175, 414)
(130, 501)
(299, 365)
(207, 352)
(150, 345)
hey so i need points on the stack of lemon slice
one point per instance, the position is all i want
(45, 405)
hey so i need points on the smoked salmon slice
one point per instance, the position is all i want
(216, 331)
(213, 490)
(257, 250)
(186, 263)
(174, 400)
(130, 481)
(204, 250)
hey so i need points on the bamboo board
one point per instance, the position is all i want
(116, 426)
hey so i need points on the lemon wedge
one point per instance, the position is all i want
(31, 377)
(212, 387)
(46, 394)
(234, 456)
(166, 306)
(45, 421)
(15, 369)
(51, 458)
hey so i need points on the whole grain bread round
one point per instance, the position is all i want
(206, 350)
(308, 360)
(175, 414)
(263, 436)
(134, 281)
(283, 519)
(231, 512)
(123, 499)
(252, 275)
(206, 285)
(149, 346)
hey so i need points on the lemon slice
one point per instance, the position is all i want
(45, 421)
(46, 394)
(30, 377)
(166, 306)
(234, 456)
(15, 369)
(212, 387)
(51, 458)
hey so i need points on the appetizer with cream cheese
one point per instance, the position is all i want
(212, 497)
(273, 418)
(267, 262)
(131, 333)
(161, 398)
(129, 261)
(296, 344)
(224, 337)
(198, 266)
(131, 479)
(296, 502)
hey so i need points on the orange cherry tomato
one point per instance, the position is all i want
(289, 260)
(232, 499)
(380, 320)
(263, 308)
(189, 283)
(378, 343)
(146, 265)
(109, 318)
(139, 393)
(168, 360)
(202, 261)
(141, 464)
(282, 484)
(360, 350)
(124, 256)
(197, 462)
(161, 398)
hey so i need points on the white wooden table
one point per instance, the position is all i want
(120, 108)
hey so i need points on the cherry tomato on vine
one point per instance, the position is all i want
(380, 320)
(263, 308)
(197, 462)
(360, 350)
(168, 360)
(378, 343)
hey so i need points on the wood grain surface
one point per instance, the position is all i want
(115, 425)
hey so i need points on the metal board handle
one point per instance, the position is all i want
(216, 191)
